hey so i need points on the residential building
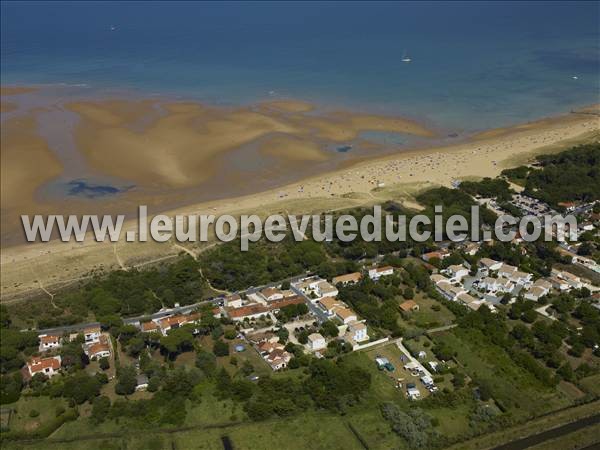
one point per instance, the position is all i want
(357, 332)
(587, 263)
(437, 278)
(233, 301)
(99, 349)
(149, 327)
(251, 311)
(506, 270)
(465, 299)
(349, 278)
(141, 382)
(49, 342)
(329, 304)
(538, 290)
(47, 366)
(377, 272)
(437, 254)
(558, 284)
(496, 285)
(448, 290)
(346, 315)
(456, 272)
(325, 289)
(92, 334)
(316, 342)
(409, 305)
(271, 293)
(489, 265)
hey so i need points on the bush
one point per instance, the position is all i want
(230, 334)
(220, 348)
(34, 413)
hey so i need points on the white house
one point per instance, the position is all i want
(489, 265)
(316, 342)
(48, 342)
(92, 334)
(47, 366)
(270, 294)
(329, 304)
(378, 272)
(97, 350)
(456, 272)
(357, 332)
(573, 280)
(346, 315)
(506, 270)
(325, 289)
(233, 301)
(538, 290)
(496, 284)
(449, 291)
(586, 262)
(349, 278)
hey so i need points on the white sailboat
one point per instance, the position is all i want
(406, 58)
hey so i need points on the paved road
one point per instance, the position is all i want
(530, 441)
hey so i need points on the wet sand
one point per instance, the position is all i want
(170, 148)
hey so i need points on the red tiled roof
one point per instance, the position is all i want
(37, 364)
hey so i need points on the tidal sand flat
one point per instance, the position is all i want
(372, 181)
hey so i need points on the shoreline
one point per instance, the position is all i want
(34, 267)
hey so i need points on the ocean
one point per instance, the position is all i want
(473, 65)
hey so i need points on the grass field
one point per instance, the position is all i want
(515, 388)
(21, 420)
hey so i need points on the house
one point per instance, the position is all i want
(276, 305)
(260, 337)
(568, 206)
(538, 290)
(149, 327)
(438, 254)
(346, 315)
(496, 285)
(271, 293)
(437, 278)
(522, 278)
(535, 293)
(409, 305)
(378, 272)
(99, 349)
(587, 263)
(489, 265)
(471, 248)
(307, 285)
(456, 272)
(275, 355)
(233, 301)
(46, 366)
(92, 334)
(316, 342)
(171, 322)
(558, 284)
(325, 289)
(48, 342)
(141, 382)
(506, 270)
(465, 299)
(356, 332)
(349, 278)
(329, 304)
(252, 311)
(573, 280)
(448, 290)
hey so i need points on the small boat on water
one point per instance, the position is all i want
(406, 58)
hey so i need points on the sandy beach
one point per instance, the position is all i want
(118, 138)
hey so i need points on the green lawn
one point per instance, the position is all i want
(21, 420)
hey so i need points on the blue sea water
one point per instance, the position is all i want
(474, 65)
